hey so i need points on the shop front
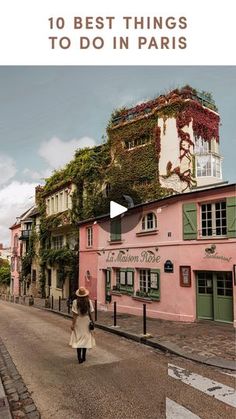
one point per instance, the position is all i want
(164, 256)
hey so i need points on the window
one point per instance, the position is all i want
(61, 201)
(140, 141)
(201, 146)
(66, 199)
(48, 207)
(149, 222)
(18, 264)
(149, 283)
(34, 275)
(16, 241)
(52, 205)
(115, 229)
(213, 219)
(89, 236)
(208, 165)
(205, 283)
(124, 280)
(56, 203)
(12, 263)
(57, 242)
(60, 277)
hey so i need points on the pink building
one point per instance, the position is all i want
(15, 258)
(176, 254)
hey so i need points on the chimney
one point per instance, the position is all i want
(1, 246)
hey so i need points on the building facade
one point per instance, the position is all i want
(177, 255)
(166, 145)
(16, 250)
(59, 242)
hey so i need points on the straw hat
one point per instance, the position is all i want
(82, 292)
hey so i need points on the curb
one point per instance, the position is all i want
(5, 412)
(164, 346)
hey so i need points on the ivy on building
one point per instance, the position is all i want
(130, 171)
(27, 260)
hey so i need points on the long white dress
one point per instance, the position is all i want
(81, 336)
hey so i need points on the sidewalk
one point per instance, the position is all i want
(4, 405)
(15, 399)
(208, 342)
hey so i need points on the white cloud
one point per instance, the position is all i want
(57, 152)
(7, 168)
(15, 198)
(34, 175)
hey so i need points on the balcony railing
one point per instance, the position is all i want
(25, 234)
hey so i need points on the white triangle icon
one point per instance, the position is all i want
(116, 209)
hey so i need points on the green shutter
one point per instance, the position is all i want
(115, 229)
(189, 221)
(130, 287)
(231, 216)
(155, 292)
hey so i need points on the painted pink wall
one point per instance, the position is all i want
(14, 273)
(176, 302)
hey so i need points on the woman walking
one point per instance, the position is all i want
(81, 337)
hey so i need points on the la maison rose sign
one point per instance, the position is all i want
(146, 256)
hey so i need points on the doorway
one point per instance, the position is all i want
(215, 296)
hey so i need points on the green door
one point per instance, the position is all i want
(215, 296)
(223, 297)
(205, 295)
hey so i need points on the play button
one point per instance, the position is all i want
(116, 209)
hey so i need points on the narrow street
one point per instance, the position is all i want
(120, 379)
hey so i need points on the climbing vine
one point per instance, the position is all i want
(127, 170)
(27, 260)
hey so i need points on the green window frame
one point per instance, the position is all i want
(124, 280)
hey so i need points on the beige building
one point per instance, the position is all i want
(60, 250)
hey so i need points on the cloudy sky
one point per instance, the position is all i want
(46, 113)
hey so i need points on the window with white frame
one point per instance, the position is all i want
(201, 146)
(66, 199)
(57, 242)
(149, 283)
(136, 142)
(48, 204)
(149, 222)
(89, 236)
(208, 165)
(61, 203)
(213, 219)
(52, 205)
(56, 203)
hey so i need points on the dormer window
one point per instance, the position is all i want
(149, 222)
